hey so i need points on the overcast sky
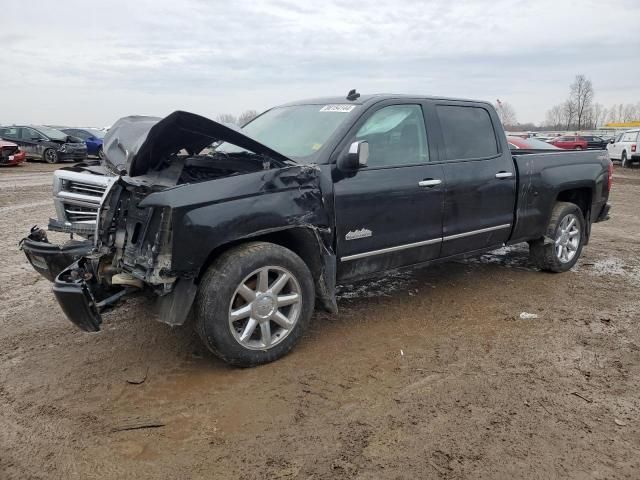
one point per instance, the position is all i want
(89, 63)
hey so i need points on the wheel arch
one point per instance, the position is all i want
(582, 197)
(304, 241)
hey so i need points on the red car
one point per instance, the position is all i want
(570, 142)
(10, 154)
(518, 143)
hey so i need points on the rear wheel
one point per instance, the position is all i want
(623, 159)
(50, 155)
(562, 245)
(578, 147)
(254, 303)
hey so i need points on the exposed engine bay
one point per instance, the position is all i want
(128, 244)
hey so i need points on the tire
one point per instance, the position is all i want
(241, 342)
(50, 155)
(101, 154)
(578, 148)
(545, 252)
(623, 160)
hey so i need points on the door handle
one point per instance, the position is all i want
(429, 182)
(504, 174)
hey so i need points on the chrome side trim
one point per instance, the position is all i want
(423, 243)
(390, 249)
(476, 232)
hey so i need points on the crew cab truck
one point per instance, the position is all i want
(248, 238)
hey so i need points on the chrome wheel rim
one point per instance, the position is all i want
(265, 308)
(567, 238)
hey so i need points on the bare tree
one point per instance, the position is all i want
(226, 118)
(581, 96)
(598, 115)
(568, 113)
(555, 117)
(506, 113)
(246, 116)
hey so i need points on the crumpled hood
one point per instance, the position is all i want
(140, 144)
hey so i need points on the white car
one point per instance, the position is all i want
(625, 147)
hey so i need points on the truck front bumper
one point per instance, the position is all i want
(49, 259)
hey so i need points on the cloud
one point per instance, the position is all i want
(79, 63)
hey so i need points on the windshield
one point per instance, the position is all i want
(52, 133)
(298, 131)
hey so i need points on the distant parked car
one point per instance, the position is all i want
(10, 154)
(570, 142)
(517, 143)
(595, 143)
(625, 147)
(44, 143)
(91, 136)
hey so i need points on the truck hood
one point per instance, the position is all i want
(140, 144)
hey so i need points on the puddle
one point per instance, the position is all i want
(376, 287)
(613, 267)
(512, 256)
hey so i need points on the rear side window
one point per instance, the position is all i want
(9, 132)
(629, 137)
(467, 132)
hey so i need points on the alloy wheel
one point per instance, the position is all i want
(265, 308)
(567, 238)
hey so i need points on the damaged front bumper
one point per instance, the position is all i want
(81, 298)
(49, 259)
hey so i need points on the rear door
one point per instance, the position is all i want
(33, 142)
(480, 178)
(389, 213)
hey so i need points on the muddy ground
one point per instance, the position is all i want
(424, 374)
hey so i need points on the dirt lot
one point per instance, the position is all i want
(424, 374)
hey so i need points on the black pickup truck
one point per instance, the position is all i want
(248, 230)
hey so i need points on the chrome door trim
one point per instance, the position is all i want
(476, 232)
(433, 241)
(390, 249)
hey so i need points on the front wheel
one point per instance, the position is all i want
(50, 155)
(562, 245)
(254, 303)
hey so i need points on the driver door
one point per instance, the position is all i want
(389, 212)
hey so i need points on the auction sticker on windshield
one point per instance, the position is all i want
(337, 108)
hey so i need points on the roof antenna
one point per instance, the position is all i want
(352, 95)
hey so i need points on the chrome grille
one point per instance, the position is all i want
(77, 197)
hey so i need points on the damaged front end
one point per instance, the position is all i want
(156, 209)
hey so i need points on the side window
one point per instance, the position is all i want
(81, 134)
(31, 134)
(9, 133)
(396, 135)
(629, 137)
(467, 132)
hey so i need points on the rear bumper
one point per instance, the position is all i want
(635, 157)
(604, 213)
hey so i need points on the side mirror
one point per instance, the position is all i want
(356, 158)
(613, 140)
